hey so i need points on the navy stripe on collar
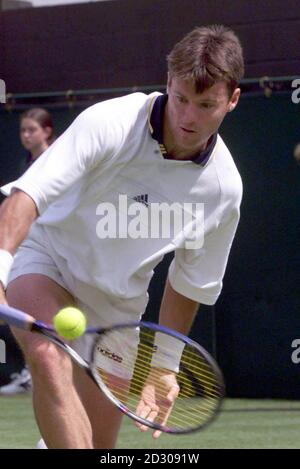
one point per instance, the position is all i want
(156, 127)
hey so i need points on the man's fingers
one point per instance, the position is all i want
(156, 434)
(173, 394)
(146, 411)
(140, 407)
(156, 403)
(150, 418)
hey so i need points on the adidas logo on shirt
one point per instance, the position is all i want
(143, 199)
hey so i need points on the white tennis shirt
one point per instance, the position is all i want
(110, 151)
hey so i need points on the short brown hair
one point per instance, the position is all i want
(207, 55)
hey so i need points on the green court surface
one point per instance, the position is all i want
(242, 424)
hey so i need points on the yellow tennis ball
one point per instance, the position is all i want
(69, 323)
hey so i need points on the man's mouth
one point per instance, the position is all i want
(187, 130)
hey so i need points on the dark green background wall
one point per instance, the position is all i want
(125, 42)
(258, 313)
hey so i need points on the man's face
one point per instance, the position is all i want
(192, 118)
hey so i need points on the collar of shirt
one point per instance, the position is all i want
(156, 129)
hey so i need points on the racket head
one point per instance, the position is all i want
(124, 356)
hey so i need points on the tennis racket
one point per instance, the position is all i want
(156, 376)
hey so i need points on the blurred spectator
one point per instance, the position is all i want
(297, 153)
(36, 132)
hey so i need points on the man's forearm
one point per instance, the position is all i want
(17, 213)
(177, 311)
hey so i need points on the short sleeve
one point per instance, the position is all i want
(198, 274)
(88, 141)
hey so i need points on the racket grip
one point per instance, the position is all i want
(15, 317)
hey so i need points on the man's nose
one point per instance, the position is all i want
(190, 115)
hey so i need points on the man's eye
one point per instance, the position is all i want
(206, 105)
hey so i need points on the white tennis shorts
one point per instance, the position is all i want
(37, 256)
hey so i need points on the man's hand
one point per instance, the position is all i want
(157, 398)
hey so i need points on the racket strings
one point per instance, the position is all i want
(199, 390)
(187, 388)
(143, 368)
(192, 415)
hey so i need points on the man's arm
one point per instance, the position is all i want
(17, 213)
(177, 311)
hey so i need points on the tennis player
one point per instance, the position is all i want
(64, 223)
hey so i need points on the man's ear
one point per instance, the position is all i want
(234, 99)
